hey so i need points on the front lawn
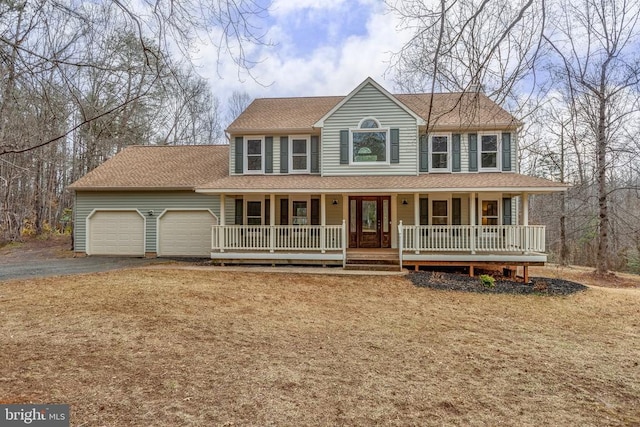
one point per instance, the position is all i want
(175, 347)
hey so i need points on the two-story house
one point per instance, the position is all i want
(416, 178)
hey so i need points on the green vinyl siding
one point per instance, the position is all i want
(156, 201)
(369, 102)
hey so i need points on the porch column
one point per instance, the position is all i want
(272, 222)
(323, 221)
(525, 209)
(525, 222)
(221, 222)
(472, 221)
(416, 222)
(472, 209)
(345, 208)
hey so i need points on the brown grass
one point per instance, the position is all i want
(587, 276)
(175, 347)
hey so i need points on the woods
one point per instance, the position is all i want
(570, 71)
(81, 80)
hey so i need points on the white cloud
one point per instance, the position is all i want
(335, 65)
(287, 7)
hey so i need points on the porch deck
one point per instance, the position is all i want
(464, 245)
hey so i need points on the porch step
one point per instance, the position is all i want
(372, 259)
(372, 267)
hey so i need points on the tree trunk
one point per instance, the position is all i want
(602, 261)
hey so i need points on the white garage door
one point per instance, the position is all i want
(116, 233)
(185, 233)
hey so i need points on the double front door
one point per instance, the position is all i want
(369, 222)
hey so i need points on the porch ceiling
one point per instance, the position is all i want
(427, 183)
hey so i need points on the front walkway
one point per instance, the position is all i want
(291, 270)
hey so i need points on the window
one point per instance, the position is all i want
(490, 212)
(369, 143)
(440, 214)
(299, 154)
(440, 148)
(489, 151)
(299, 213)
(255, 155)
(254, 213)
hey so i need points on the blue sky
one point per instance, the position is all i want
(322, 47)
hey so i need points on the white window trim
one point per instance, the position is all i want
(300, 199)
(245, 159)
(449, 153)
(245, 220)
(369, 118)
(490, 197)
(308, 139)
(387, 145)
(498, 167)
(431, 210)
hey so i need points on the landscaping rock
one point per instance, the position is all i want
(461, 282)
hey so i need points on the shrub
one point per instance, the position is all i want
(487, 281)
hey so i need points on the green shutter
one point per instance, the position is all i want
(473, 152)
(239, 145)
(506, 151)
(268, 148)
(315, 154)
(239, 214)
(284, 211)
(284, 154)
(315, 211)
(344, 147)
(395, 145)
(455, 148)
(506, 212)
(424, 153)
(456, 208)
(267, 211)
(424, 211)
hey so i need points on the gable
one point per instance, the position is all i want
(369, 102)
(369, 85)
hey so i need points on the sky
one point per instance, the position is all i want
(321, 47)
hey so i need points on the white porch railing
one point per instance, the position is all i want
(277, 238)
(472, 238)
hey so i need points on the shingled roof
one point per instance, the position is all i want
(448, 110)
(205, 168)
(158, 168)
(428, 183)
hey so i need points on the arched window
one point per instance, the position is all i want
(369, 123)
(369, 142)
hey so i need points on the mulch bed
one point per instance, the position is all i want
(461, 282)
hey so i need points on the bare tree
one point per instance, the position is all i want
(81, 80)
(597, 45)
(461, 46)
(230, 25)
(236, 104)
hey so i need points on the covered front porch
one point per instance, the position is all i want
(426, 218)
(421, 228)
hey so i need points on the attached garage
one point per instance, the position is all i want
(185, 233)
(115, 233)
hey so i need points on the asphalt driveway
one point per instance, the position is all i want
(19, 269)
